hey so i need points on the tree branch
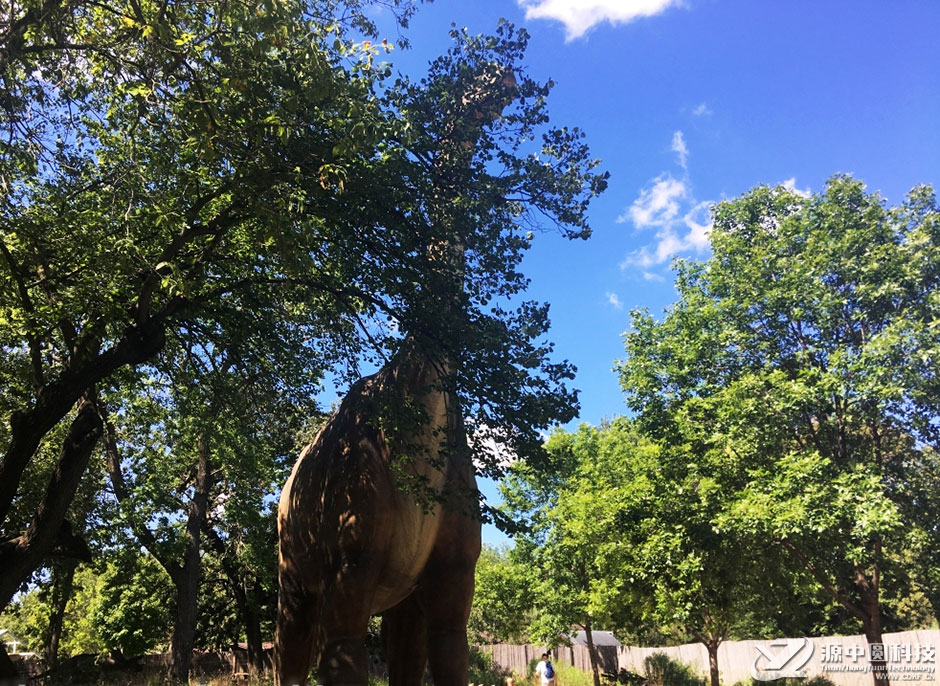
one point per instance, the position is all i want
(56, 398)
(20, 556)
(35, 345)
(222, 221)
(118, 483)
(824, 582)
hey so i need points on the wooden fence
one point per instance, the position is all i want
(522, 658)
(914, 657)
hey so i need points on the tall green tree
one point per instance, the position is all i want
(29, 617)
(572, 548)
(131, 611)
(196, 447)
(119, 604)
(918, 486)
(160, 158)
(790, 352)
(691, 580)
(628, 537)
(520, 174)
(501, 599)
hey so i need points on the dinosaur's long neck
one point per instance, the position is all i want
(481, 103)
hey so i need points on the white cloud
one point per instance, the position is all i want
(682, 223)
(657, 205)
(685, 235)
(699, 222)
(790, 185)
(679, 147)
(614, 300)
(580, 15)
(701, 110)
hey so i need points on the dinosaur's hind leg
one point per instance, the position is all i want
(344, 660)
(446, 590)
(295, 638)
(404, 637)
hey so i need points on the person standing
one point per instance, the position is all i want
(546, 671)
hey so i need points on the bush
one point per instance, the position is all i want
(662, 670)
(484, 671)
(815, 681)
(572, 676)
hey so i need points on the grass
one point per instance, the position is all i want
(483, 672)
(815, 681)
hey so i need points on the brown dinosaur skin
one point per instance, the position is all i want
(353, 544)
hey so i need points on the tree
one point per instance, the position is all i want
(572, 550)
(156, 155)
(198, 445)
(132, 609)
(119, 603)
(789, 353)
(918, 486)
(630, 537)
(243, 542)
(691, 579)
(519, 174)
(212, 163)
(501, 599)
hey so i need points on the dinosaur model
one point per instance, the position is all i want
(354, 543)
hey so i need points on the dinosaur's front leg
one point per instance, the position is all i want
(295, 637)
(447, 593)
(404, 637)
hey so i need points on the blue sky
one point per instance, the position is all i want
(692, 102)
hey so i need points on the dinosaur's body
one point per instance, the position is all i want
(354, 544)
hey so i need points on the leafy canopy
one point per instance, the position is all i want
(799, 358)
(228, 172)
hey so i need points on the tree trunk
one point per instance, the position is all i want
(188, 577)
(184, 625)
(592, 652)
(63, 575)
(712, 647)
(868, 611)
(872, 628)
(252, 620)
(879, 667)
(248, 611)
(869, 591)
(246, 601)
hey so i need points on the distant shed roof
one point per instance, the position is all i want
(600, 638)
